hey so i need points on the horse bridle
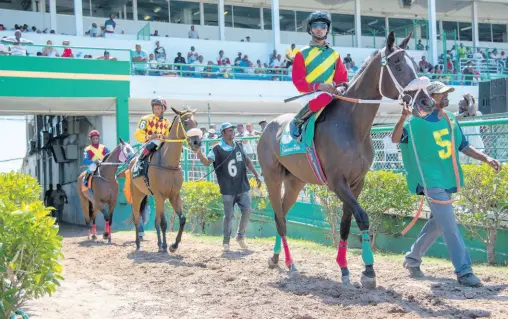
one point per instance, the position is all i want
(402, 90)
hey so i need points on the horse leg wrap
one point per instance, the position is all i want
(277, 245)
(94, 229)
(288, 257)
(367, 254)
(341, 258)
(88, 232)
(159, 243)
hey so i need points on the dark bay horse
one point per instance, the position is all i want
(343, 143)
(105, 189)
(166, 178)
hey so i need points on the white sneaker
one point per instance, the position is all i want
(226, 247)
(242, 243)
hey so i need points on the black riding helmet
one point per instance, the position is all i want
(319, 16)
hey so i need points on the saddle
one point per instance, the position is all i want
(140, 169)
(87, 187)
(289, 146)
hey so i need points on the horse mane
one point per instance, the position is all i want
(364, 65)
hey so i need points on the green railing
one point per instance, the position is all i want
(487, 135)
(144, 33)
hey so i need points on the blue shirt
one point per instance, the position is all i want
(225, 146)
(140, 65)
(433, 117)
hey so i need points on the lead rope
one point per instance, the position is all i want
(426, 195)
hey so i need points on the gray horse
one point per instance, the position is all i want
(344, 146)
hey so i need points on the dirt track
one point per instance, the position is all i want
(199, 281)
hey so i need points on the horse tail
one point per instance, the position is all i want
(127, 187)
(144, 210)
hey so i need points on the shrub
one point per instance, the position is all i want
(29, 243)
(482, 204)
(332, 208)
(202, 203)
(386, 199)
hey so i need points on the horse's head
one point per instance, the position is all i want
(126, 151)
(190, 127)
(399, 79)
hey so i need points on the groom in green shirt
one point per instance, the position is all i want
(427, 152)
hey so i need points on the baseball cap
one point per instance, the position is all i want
(439, 88)
(226, 125)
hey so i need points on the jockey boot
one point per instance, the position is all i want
(85, 179)
(149, 149)
(299, 120)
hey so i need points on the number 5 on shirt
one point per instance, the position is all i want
(438, 135)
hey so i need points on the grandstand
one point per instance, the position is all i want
(90, 91)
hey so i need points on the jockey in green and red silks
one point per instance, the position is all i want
(317, 68)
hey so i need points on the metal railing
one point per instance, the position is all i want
(487, 135)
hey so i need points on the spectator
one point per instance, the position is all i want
(462, 52)
(199, 65)
(259, 67)
(467, 109)
(152, 63)
(419, 45)
(212, 134)
(49, 50)
(244, 62)
(289, 55)
(34, 29)
(106, 56)
(110, 24)
(272, 57)
(160, 53)
(4, 50)
(179, 60)
(192, 55)
(249, 145)
(423, 64)
(2, 28)
(59, 199)
(353, 67)
(468, 73)
(193, 34)
(203, 130)
(347, 59)
(248, 39)
(278, 62)
(140, 55)
(476, 79)
(67, 51)
(221, 59)
(156, 33)
(94, 32)
(208, 71)
(494, 55)
(262, 124)
(48, 200)
(238, 59)
(240, 130)
(25, 28)
(478, 55)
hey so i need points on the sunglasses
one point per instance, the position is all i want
(319, 25)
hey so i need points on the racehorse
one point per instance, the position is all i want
(165, 178)
(105, 189)
(344, 146)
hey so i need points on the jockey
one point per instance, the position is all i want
(153, 127)
(317, 68)
(93, 154)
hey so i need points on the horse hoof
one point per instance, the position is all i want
(138, 250)
(345, 282)
(294, 273)
(272, 263)
(162, 250)
(94, 237)
(109, 240)
(367, 282)
(173, 248)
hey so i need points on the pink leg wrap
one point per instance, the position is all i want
(288, 257)
(94, 229)
(107, 227)
(320, 102)
(341, 258)
(89, 233)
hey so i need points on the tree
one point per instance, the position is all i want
(482, 204)
(201, 203)
(386, 199)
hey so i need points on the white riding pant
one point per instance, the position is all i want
(91, 168)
